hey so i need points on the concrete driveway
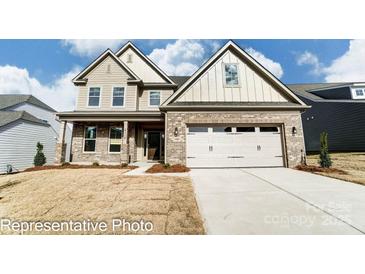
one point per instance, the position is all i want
(277, 201)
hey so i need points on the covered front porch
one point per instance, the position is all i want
(113, 139)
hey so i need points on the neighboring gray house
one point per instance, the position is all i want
(24, 121)
(231, 112)
(336, 108)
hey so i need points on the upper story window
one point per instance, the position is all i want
(118, 97)
(231, 74)
(154, 98)
(94, 97)
(90, 139)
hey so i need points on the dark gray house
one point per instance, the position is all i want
(337, 108)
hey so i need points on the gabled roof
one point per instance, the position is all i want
(7, 117)
(9, 100)
(230, 45)
(148, 61)
(79, 79)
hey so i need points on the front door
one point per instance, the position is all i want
(154, 145)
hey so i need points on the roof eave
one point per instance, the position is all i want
(233, 108)
(110, 116)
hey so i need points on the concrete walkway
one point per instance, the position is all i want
(277, 201)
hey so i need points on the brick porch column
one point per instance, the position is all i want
(131, 142)
(124, 152)
(61, 145)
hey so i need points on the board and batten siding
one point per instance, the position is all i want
(139, 66)
(144, 98)
(210, 87)
(106, 75)
(18, 142)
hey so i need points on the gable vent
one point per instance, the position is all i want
(129, 58)
(108, 68)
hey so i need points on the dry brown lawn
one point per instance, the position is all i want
(353, 163)
(101, 195)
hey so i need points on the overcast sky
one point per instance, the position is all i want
(45, 68)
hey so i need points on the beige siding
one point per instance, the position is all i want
(139, 67)
(107, 75)
(144, 97)
(210, 86)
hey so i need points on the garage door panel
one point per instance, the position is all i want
(235, 149)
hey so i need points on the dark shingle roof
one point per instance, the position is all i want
(179, 80)
(9, 100)
(7, 117)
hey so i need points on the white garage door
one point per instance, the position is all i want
(245, 146)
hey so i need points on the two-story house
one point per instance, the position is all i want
(231, 112)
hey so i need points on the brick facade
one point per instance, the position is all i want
(101, 154)
(293, 144)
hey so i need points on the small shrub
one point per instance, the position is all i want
(124, 165)
(166, 165)
(324, 156)
(65, 164)
(39, 158)
(96, 164)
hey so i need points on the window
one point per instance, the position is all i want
(118, 97)
(359, 92)
(94, 97)
(231, 74)
(222, 129)
(269, 129)
(245, 129)
(115, 139)
(198, 129)
(90, 139)
(154, 98)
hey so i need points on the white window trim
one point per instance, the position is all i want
(149, 96)
(84, 139)
(121, 140)
(224, 75)
(355, 96)
(111, 100)
(88, 93)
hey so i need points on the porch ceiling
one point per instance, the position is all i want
(107, 116)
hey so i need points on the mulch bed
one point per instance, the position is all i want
(159, 168)
(314, 169)
(72, 166)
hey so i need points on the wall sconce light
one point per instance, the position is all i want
(176, 132)
(294, 130)
(163, 136)
(145, 136)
